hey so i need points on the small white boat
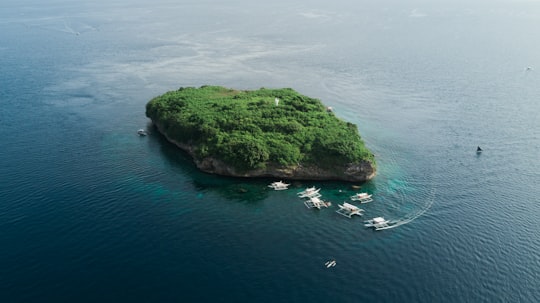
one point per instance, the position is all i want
(348, 210)
(378, 223)
(329, 264)
(142, 132)
(279, 185)
(362, 197)
(315, 202)
(309, 192)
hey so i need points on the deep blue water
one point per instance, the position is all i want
(90, 212)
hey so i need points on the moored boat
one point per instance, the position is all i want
(280, 185)
(309, 192)
(315, 202)
(348, 210)
(362, 197)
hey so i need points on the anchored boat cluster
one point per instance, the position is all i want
(313, 199)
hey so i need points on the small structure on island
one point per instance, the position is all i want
(276, 100)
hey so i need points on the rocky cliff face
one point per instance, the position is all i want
(350, 172)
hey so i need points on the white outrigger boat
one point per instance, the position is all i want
(362, 197)
(329, 264)
(142, 132)
(279, 185)
(310, 192)
(378, 223)
(348, 210)
(315, 202)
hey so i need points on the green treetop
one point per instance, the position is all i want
(254, 129)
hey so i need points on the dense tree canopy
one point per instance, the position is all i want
(247, 130)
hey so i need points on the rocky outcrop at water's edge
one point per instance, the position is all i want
(350, 172)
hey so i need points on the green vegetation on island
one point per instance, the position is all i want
(251, 130)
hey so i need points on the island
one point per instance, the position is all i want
(261, 133)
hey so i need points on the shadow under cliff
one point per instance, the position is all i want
(242, 189)
(231, 188)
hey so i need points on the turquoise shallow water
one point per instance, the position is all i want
(91, 212)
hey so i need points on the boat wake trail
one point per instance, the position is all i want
(430, 199)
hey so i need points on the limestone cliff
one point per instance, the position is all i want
(349, 172)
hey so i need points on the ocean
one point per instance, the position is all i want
(91, 212)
